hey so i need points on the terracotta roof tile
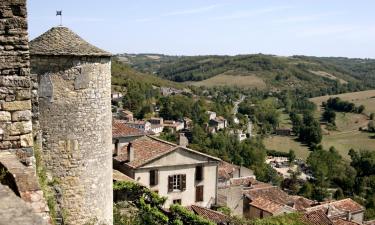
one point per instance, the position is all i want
(121, 129)
(63, 41)
(272, 193)
(339, 207)
(148, 148)
(316, 218)
(340, 221)
(209, 214)
(226, 170)
(301, 203)
(118, 176)
(267, 205)
(145, 150)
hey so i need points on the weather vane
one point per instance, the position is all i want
(59, 13)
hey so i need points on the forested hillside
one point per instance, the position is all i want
(312, 74)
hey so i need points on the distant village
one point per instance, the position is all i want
(203, 183)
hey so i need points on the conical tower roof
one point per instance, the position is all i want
(63, 41)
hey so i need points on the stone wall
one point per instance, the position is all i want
(75, 120)
(15, 104)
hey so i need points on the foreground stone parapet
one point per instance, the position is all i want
(24, 183)
(15, 211)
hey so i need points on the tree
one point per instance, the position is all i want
(371, 126)
(292, 155)
(330, 116)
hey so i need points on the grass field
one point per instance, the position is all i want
(344, 141)
(249, 81)
(344, 138)
(284, 144)
(366, 98)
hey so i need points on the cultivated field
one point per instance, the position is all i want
(366, 98)
(249, 81)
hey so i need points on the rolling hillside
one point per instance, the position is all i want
(277, 73)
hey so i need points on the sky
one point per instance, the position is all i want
(225, 27)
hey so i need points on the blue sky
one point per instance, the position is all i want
(200, 27)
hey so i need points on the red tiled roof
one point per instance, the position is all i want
(118, 176)
(120, 129)
(149, 148)
(145, 150)
(209, 214)
(301, 203)
(267, 205)
(339, 207)
(225, 170)
(316, 218)
(248, 182)
(272, 193)
(340, 221)
(370, 222)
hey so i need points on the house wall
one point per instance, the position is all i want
(181, 162)
(188, 196)
(231, 197)
(358, 217)
(255, 213)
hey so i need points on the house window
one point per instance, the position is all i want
(153, 177)
(199, 193)
(199, 173)
(177, 182)
(177, 201)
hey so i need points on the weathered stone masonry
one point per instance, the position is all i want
(74, 85)
(15, 103)
(16, 138)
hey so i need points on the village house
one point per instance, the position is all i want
(156, 129)
(174, 126)
(122, 134)
(156, 121)
(140, 124)
(218, 123)
(283, 131)
(185, 176)
(341, 210)
(116, 96)
(211, 115)
(188, 123)
(126, 115)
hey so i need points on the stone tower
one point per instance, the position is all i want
(74, 87)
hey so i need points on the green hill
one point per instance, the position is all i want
(122, 73)
(277, 73)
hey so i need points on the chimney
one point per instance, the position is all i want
(116, 152)
(130, 152)
(183, 141)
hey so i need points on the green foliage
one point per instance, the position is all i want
(340, 105)
(309, 131)
(285, 219)
(330, 116)
(183, 216)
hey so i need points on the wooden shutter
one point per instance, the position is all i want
(199, 193)
(170, 183)
(156, 177)
(153, 177)
(183, 182)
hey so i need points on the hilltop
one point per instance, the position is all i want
(260, 71)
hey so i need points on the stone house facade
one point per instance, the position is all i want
(183, 175)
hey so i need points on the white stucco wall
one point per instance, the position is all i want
(181, 162)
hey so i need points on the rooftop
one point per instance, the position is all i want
(267, 205)
(339, 207)
(226, 169)
(63, 41)
(120, 129)
(209, 214)
(316, 218)
(147, 149)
